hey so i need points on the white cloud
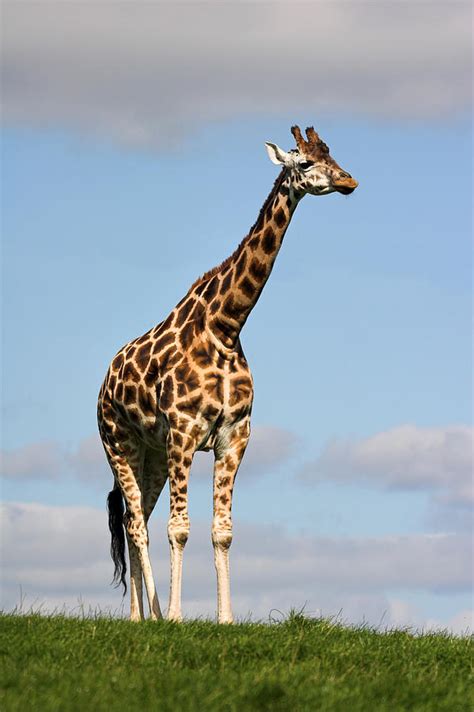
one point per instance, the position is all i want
(59, 555)
(407, 457)
(36, 460)
(88, 461)
(147, 73)
(269, 447)
(46, 460)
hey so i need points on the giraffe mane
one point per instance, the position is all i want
(210, 273)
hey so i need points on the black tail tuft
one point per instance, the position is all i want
(117, 546)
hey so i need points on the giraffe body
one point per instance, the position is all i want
(185, 385)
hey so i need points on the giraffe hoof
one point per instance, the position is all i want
(226, 620)
(175, 617)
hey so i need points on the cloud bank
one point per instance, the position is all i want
(43, 460)
(269, 447)
(406, 458)
(148, 74)
(59, 555)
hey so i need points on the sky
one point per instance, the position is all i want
(133, 160)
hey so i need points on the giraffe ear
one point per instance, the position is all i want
(277, 155)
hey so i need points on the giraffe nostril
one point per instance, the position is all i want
(345, 175)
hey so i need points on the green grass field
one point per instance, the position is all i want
(59, 663)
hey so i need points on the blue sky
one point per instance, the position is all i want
(363, 328)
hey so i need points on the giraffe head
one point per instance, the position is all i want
(311, 167)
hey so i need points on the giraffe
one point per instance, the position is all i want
(185, 385)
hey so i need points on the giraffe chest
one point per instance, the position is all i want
(212, 397)
(199, 391)
(227, 400)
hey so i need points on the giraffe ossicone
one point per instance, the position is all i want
(185, 386)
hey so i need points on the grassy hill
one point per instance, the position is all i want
(64, 664)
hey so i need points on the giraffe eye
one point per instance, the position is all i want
(306, 164)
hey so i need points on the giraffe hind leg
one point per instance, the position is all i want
(136, 582)
(117, 525)
(127, 464)
(155, 474)
(117, 521)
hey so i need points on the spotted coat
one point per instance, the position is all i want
(185, 385)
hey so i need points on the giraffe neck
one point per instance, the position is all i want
(231, 290)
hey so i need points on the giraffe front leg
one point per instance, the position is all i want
(225, 469)
(179, 465)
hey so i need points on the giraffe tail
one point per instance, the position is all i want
(117, 546)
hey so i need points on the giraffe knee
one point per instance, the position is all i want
(137, 531)
(178, 532)
(222, 538)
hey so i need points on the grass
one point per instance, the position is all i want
(64, 664)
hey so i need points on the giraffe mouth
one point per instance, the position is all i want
(346, 186)
(344, 189)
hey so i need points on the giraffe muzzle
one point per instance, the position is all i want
(345, 185)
